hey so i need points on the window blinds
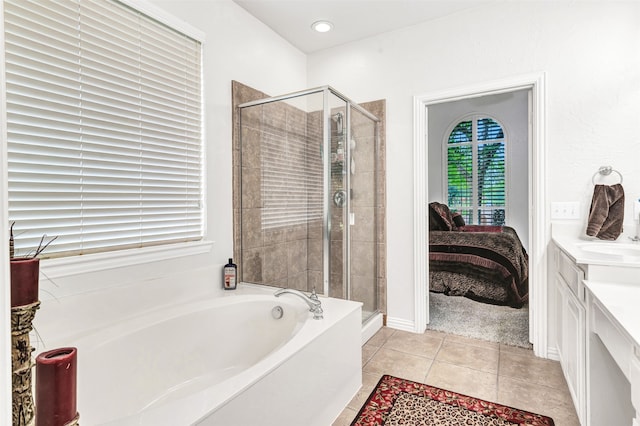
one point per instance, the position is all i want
(476, 171)
(104, 124)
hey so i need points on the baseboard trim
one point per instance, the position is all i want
(552, 353)
(401, 324)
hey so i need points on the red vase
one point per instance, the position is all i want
(24, 281)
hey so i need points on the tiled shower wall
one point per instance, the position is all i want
(292, 256)
(377, 108)
(366, 210)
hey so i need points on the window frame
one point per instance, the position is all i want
(474, 118)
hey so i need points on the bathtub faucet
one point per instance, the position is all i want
(315, 306)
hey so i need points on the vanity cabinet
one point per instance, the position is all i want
(596, 292)
(571, 328)
(613, 371)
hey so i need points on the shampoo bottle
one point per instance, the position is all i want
(230, 275)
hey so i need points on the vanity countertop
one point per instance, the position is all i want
(621, 301)
(590, 251)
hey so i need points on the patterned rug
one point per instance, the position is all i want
(397, 401)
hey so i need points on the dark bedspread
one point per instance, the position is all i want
(486, 266)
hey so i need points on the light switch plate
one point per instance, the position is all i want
(565, 210)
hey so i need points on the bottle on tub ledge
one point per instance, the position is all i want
(230, 275)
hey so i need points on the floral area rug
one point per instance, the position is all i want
(397, 401)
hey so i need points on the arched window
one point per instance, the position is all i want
(475, 172)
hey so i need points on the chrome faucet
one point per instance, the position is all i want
(315, 306)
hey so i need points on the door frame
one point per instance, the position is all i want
(538, 224)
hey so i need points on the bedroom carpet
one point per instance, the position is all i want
(397, 401)
(466, 317)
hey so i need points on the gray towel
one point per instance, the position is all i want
(607, 212)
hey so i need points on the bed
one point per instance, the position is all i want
(484, 263)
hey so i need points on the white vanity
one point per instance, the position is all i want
(596, 292)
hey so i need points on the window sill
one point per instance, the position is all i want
(75, 265)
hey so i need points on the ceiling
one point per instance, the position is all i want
(352, 19)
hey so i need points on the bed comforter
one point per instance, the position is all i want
(487, 264)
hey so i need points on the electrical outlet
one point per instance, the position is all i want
(565, 210)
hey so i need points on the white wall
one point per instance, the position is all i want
(589, 51)
(511, 111)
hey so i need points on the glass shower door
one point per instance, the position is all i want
(338, 202)
(306, 196)
(281, 198)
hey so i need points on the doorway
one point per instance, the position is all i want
(478, 166)
(536, 232)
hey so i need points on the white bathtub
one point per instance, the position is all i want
(224, 361)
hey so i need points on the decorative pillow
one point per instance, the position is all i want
(440, 218)
(458, 220)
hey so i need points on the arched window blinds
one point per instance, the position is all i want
(476, 178)
(104, 127)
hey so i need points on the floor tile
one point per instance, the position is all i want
(467, 381)
(516, 350)
(367, 352)
(346, 417)
(532, 369)
(435, 333)
(474, 357)
(399, 364)
(381, 336)
(414, 343)
(471, 342)
(540, 399)
(369, 382)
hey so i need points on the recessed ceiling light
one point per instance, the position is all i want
(322, 26)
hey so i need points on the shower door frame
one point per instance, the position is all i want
(326, 153)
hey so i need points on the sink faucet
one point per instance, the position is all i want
(315, 306)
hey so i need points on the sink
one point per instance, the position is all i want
(612, 249)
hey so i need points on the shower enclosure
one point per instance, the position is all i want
(308, 215)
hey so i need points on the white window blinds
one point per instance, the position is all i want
(476, 178)
(104, 127)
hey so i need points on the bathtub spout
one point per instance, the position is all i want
(315, 306)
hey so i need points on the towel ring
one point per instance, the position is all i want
(605, 171)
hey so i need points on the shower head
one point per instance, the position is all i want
(337, 117)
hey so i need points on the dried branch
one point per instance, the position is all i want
(41, 247)
(12, 247)
(31, 254)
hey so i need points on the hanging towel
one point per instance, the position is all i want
(607, 212)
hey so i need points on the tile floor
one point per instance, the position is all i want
(491, 371)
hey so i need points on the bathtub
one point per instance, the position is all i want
(224, 361)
